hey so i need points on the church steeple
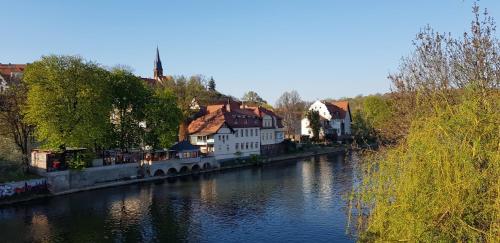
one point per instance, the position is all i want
(158, 70)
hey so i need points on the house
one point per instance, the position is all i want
(335, 118)
(226, 131)
(272, 131)
(10, 74)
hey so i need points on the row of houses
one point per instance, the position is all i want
(227, 129)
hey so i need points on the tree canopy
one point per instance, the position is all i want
(162, 119)
(68, 101)
(253, 99)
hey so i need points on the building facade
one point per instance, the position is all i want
(272, 132)
(226, 132)
(335, 118)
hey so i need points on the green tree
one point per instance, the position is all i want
(68, 101)
(314, 123)
(253, 99)
(362, 129)
(162, 119)
(211, 84)
(129, 99)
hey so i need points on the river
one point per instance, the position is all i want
(291, 201)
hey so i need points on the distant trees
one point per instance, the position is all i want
(211, 84)
(253, 99)
(291, 107)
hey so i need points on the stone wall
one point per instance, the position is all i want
(75, 179)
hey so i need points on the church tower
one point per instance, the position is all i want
(158, 70)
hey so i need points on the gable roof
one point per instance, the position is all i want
(213, 121)
(261, 111)
(338, 109)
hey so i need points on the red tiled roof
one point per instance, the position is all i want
(338, 107)
(213, 121)
(260, 111)
(6, 71)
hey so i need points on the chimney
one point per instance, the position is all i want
(228, 105)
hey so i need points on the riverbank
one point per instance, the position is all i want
(245, 163)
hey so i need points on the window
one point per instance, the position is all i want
(256, 144)
(246, 145)
(227, 147)
(246, 132)
(251, 145)
(251, 133)
(219, 137)
(237, 146)
(236, 133)
(256, 132)
(241, 132)
(227, 137)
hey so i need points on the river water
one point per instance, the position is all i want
(291, 201)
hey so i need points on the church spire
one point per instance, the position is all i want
(158, 70)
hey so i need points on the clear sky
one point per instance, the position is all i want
(322, 49)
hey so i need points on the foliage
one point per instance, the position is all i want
(68, 101)
(12, 125)
(377, 110)
(251, 98)
(129, 99)
(162, 119)
(362, 129)
(211, 84)
(440, 183)
(291, 108)
(314, 123)
(187, 91)
(442, 64)
(11, 171)
(80, 160)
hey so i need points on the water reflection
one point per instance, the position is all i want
(292, 201)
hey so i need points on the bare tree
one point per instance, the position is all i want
(441, 66)
(291, 107)
(12, 120)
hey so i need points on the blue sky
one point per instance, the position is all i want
(322, 49)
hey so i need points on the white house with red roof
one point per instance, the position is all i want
(229, 130)
(226, 131)
(335, 119)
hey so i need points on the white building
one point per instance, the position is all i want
(272, 131)
(335, 120)
(226, 132)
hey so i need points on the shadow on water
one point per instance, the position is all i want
(291, 201)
